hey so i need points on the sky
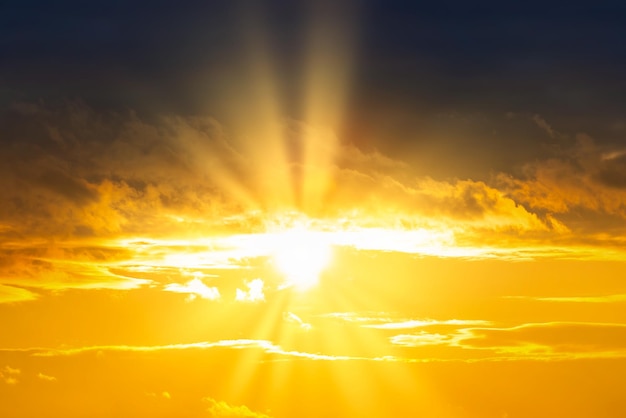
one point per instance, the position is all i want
(299, 209)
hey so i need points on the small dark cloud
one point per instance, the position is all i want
(613, 172)
(73, 189)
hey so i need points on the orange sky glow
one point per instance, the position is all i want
(276, 267)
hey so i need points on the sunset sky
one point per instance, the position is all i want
(298, 209)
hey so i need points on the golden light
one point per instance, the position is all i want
(301, 255)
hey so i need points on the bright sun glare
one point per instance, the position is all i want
(301, 255)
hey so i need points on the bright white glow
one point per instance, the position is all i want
(301, 255)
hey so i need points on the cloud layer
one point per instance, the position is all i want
(108, 200)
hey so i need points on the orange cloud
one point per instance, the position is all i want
(582, 177)
(112, 201)
(176, 175)
(9, 375)
(58, 267)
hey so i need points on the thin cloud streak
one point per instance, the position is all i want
(574, 299)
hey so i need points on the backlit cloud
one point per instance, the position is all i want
(575, 299)
(118, 202)
(419, 323)
(587, 339)
(292, 318)
(46, 378)
(300, 209)
(584, 176)
(10, 375)
(194, 288)
(15, 294)
(221, 409)
(254, 293)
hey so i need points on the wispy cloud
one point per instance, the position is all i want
(235, 344)
(292, 318)
(46, 378)
(9, 375)
(177, 193)
(532, 341)
(194, 288)
(10, 294)
(265, 346)
(420, 323)
(389, 321)
(578, 339)
(422, 338)
(574, 299)
(584, 176)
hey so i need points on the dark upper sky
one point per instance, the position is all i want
(416, 68)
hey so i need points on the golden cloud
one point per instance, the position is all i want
(81, 189)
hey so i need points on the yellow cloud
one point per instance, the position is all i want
(558, 339)
(10, 294)
(575, 299)
(194, 288)
(46, 377)
(9, 375)
(221, 409)
(141, 198)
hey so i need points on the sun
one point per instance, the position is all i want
(301, 255)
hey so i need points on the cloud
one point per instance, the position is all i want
(388, 321)
(583, 176)
(9, 375)
(194, 288)
(112, 200)
(575, 299)
(550, 338)
(104, 175)
(163, 395)
(10, 294)
(204, 345)
(62, 266)
(419, 323)
(425, 201)
(97, 175)
(541, 122)
(271, 349)
(11, 370)
(292, 318)
(221, 409)
(46, 377)
(538, 341)
(254, 292)
(422, 338)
